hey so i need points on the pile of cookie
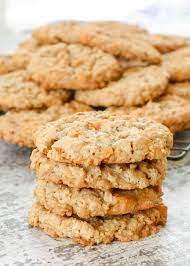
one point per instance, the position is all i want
(65, 68)
(100, 177)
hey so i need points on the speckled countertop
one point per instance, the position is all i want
(21, 245)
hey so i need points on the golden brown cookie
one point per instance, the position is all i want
(177, 64)
(93, 138)
(136, 87)
(86, 203)
(170, 110)
(123, 176)
(74, 66)
(117, 39)
(19, 127)
(17, 92)
(99, 230)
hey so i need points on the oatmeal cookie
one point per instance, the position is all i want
(19, 127)
(93, 138)
(99, 230)
(136, 87)
(73, 66)
(122, 176)
(17, 92)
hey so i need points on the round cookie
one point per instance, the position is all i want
(116, 39)
(136, 87)
(87, 203)
(17, 92)
(74, 66)
(170, 110)
(99, 230)
(93, 138)
(19, 127)
(177, 64)
(123, 176)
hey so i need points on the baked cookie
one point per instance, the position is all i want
(165, 43)
(177, 64)
(99, 230)
(17, 92)
(115, 39)
(136, 87)
(19, 127)
(93, 138)
(86, 203)
(7, 64)
(74, 66)
(122, 176)
(170, 110)
(181, 89)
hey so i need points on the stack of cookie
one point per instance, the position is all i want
(100, 177)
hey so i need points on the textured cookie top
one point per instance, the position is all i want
(99, 230)
(177, 64)
(136, 87)
(86, 203)
(106, 176)
(17, 92)
(165, 43)
(101, 137)
(115, 39)
(73, 67)
(181, 89)
(170, 110)
(20, 127)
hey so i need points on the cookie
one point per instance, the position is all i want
(116, 40)
(7, 64)
(165, 43)
(86, 203)
(93, 138)
(17, 92)
(177, 64)
(74, 66)
(19, 127)
(99, 230)
(123, 176)
(170, 110)
(181, 89)
(136, 87)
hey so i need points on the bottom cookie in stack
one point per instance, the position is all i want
(117, 200)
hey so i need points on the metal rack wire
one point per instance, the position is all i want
(181, 146)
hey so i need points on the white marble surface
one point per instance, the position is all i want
(22, 245)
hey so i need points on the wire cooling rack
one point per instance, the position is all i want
(181, 146)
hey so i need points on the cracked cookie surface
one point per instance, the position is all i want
(99, 230)
(122, 176)
(86, 203)
(136, 87)
(17, 92)
(74, 66)
(93, 138)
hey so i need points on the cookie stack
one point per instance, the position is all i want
(100, 177)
